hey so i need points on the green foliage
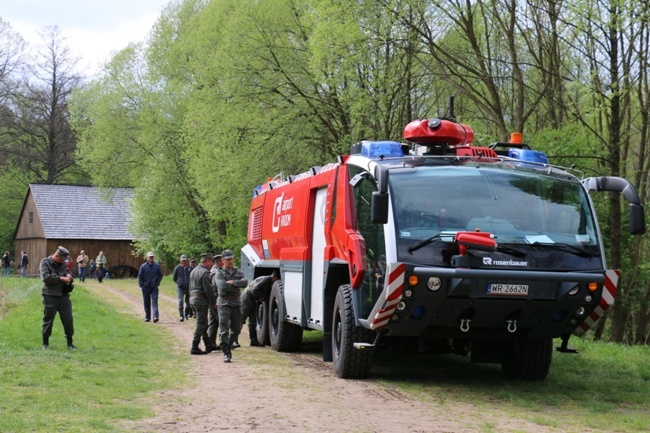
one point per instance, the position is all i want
(88, 390)
(13, 189)
(228, 93)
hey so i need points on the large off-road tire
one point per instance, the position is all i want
(262, 326)
(532, 361)
(349, 362)
(283, 336)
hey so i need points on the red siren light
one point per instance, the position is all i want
(438, 131)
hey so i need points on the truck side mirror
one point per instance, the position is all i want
(381, 174)
(637, 219)
(379, 208)
(618, 184)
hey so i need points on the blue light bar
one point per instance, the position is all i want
(377, 149)
(528, 155)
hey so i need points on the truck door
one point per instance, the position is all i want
(373, 234)
(317, 258)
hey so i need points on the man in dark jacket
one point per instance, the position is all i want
(202, 298)
(230, 281)
(149, 278)
(255, 293)
(56, 298)
(24, 261)
(181, 276)
(213, 313)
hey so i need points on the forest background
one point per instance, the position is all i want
(226, 93)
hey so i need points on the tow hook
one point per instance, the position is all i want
(512, 326)
(464, 325)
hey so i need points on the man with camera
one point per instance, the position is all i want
(82, 264)
(57, 285)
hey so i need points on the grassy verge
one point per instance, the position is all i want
(122, 361)
(119, 362)
(605, 387)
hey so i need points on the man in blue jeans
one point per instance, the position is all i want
(149, 278)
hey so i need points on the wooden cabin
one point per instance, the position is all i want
(78, 218)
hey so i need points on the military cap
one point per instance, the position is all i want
(227, 254)
(207, 256)
(62, 252)
(217, 257)
(183, 257)
(150, 254)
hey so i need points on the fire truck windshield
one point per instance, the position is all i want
(528, 208)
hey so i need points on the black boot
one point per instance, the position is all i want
(254, 342)
(227, 354)
(46, 343)
(70, 345)
(195, 348)
(182, 316)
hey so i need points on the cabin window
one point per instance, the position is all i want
(31, 217)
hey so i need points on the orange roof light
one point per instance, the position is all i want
(516, 138)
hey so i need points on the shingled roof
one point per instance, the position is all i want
(83, 212)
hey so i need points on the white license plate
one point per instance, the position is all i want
(508, 289)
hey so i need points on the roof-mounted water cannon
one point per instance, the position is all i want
(439, 134)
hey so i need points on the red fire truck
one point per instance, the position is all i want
(484, 250)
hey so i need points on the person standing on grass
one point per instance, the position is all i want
(230, 281)
(6, 263)
(100, 262)
(190, 268)
(56, 298)
(90, 272)
(24, 261)
(82, 264)
(255, 293)
(202, 299)
(181, 276)
(149, 278)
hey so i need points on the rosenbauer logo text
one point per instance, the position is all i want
(281, 213)
(489, 262)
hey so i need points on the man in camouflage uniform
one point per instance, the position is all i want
(230, 281)
(55, 276)
(255, 293)
(201, 299)
(213, 316)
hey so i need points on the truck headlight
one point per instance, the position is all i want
(434, 284)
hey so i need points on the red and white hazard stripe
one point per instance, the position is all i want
(390, 297)
(606, 300)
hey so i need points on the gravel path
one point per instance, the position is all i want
(263, 391)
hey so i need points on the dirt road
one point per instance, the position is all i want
(263, 391)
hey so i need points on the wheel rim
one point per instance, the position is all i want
(259, 312)
(274, 317)
(337, 332)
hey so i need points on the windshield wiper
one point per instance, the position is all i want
(419, 244)
(510, 250)
(566, 247)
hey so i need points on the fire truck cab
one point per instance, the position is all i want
(484, 250)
